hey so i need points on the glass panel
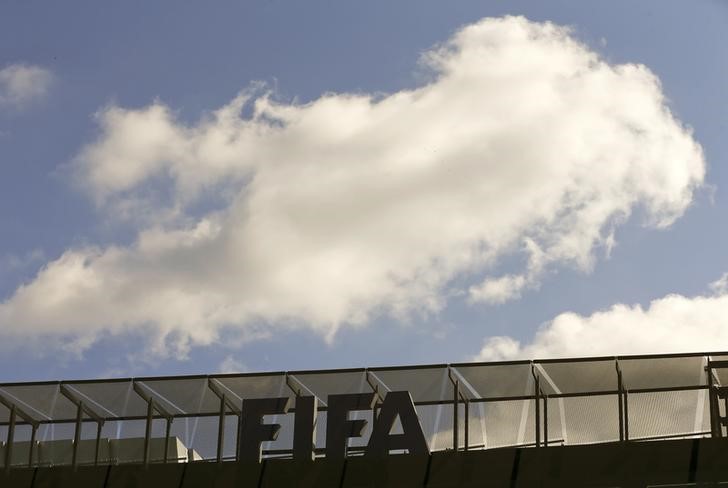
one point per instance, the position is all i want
(324, 384)
(555, 416)
(590, 419)
(112, 398)
(42, 401)
(255, 386)
(490, 381)
(666, 413)
(436, 421)
(663, 372)
(185, 396)
(424, 384)
(578, 376)
(198, 433)
(506, 423)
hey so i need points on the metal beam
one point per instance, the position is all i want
(149, 398)
(297, 387)
(372, 375)
(375, 387)
(74, 398)
(10, 404)
(224, 393)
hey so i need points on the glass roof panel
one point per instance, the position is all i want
(42, 401)
(111, 398)
(578, 376)
(663, 372)
(332, 383)
(496, 380)
(192, 395)
(184, 395)
(255, 386)
(424, 384)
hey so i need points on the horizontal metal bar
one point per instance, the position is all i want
(670, 436)
(447, 401)
(385, 368)
(303, 372)
(479, 364)
(409, 368)
(668, 388)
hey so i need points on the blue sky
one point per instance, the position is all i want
(116, 164)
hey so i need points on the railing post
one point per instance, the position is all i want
(148, 431)
(709, 381)
(221, 431)
(537, 383)
(225, 403)
(546, 420)
(455, 412)
(620, 402)
(31, 448)
(626, 415)
(166, 439)
(467, 423)
(77, 434)
(99, 425)
(237, 437)
(10, 440)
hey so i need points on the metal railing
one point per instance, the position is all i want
(547, 412)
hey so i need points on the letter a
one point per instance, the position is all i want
(397, 403)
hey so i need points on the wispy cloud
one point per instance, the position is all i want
(13, 262)
(354, 205)
(21, 84)
(720, 286)
(231, 365)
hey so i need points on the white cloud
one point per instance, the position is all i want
(720, 286)
(498, 290)
(353, 205)
(231, 365)
(12, 262)
(23, 83)
(673, 323)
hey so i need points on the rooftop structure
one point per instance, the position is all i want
(466, 406)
